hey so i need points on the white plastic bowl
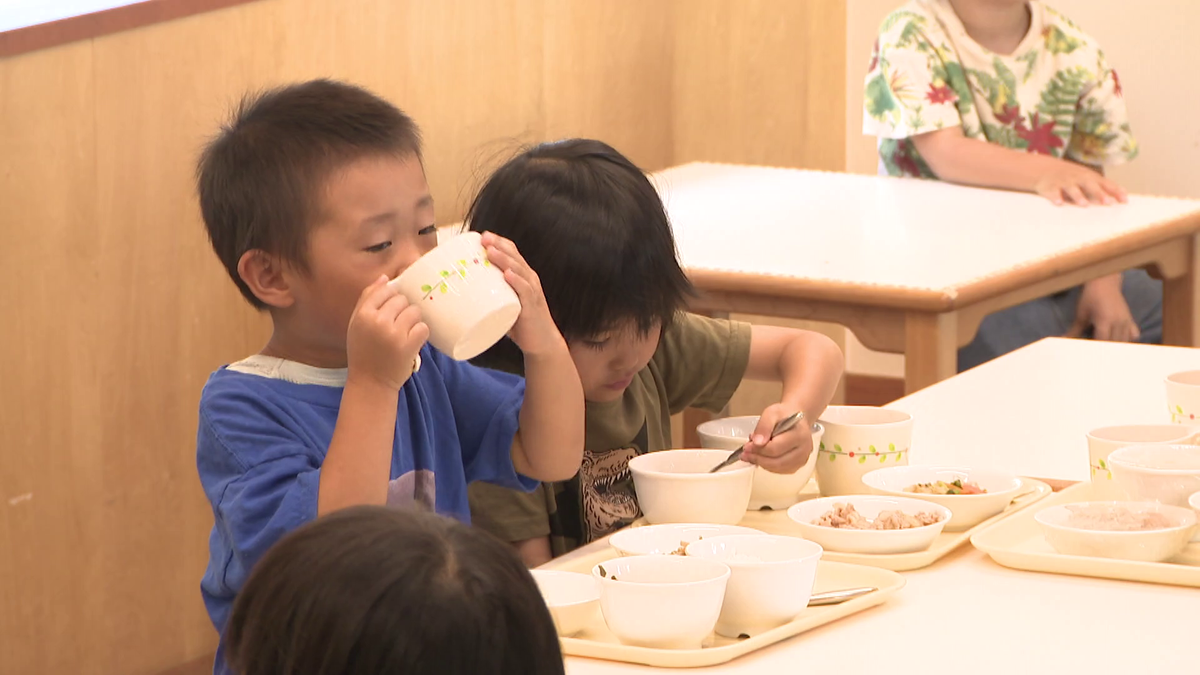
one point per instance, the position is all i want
(1159, 473)
(771, 581)
(661, 601)
(879, 542)
(968, 510)
(1194, 502)
(1142, 545)
(674, 486)
(666, 539)
(770, 490)
(573, 599)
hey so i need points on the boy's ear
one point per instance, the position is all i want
(266, 276)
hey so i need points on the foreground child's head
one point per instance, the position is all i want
(594, 229)
(384, 590)
(309, 194)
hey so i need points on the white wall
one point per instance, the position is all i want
(1161, 93)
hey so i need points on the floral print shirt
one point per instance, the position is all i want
(1055, 94)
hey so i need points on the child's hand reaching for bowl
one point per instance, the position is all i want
(535, 332)
(785, 453)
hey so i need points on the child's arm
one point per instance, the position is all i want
(958, 159)
(954, 157)
(1102, 307)
(382, 342)
(810, 366)
(549, 442)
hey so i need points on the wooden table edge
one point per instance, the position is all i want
(932, 300)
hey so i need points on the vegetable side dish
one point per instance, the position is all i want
(955, 487)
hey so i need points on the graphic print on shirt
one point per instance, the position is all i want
(606, 487)
(413, 488)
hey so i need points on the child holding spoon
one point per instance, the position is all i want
(594, 229)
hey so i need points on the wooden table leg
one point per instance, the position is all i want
(1181, 295)
(930, 349)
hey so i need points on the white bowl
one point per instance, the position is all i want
(675, 486)
(667, 539)
(968, 510)
(1104, 441)
(1194, 502)
(771, 581)
(1143, 545)
(1160, 473)
(573, 599)
(661, 601)
(770, 490)
(859, 439)
(881, 542)
(464, 299)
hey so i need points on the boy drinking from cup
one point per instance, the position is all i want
(314, 196)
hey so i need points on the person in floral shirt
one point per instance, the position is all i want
(1050, 112)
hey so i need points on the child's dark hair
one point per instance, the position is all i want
(261, 179)
(591, 225)
(374, 589)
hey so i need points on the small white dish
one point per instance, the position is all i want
(877, 542)
(661, 601)
(573, 599)
(770, 583)
(770, 490)
(1143, 545)
(968, 510)
(669, 538)
(1194, 502)
(675, 486)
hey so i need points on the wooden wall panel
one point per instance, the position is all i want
(760, 82)
(50, 484)
(608, 75)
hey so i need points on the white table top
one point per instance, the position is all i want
(1010, 621)
(869, 230)
(1028, 411)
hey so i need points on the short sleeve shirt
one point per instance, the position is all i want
(699, 363)
(1054, 95)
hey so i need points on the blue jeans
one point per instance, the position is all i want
(1053, 315)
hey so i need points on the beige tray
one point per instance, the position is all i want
(778, 522)
(598, 642)
(1018, 543)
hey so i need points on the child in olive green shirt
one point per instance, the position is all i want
(594, 229)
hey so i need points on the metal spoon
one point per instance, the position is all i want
(838, 597)
(781, 426)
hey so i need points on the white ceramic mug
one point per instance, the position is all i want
(1183, 397)
(859, 439)
(464, 300)
(1103, 441)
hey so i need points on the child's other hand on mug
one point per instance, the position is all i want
(534, 332)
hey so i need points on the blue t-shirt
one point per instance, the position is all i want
(262, 441)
